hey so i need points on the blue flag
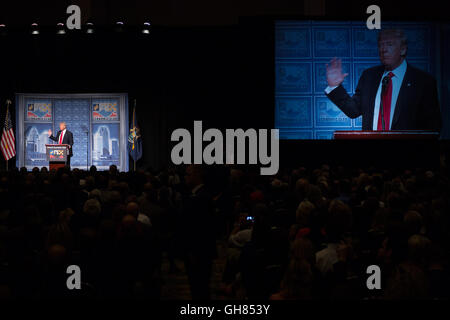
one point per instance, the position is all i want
(134, 138)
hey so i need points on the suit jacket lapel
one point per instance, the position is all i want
(403, 95)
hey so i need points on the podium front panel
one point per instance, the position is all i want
(56, 153)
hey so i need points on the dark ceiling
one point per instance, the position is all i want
(19, 13)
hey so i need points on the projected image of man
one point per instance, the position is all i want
(392, 96)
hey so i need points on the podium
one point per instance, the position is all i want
(386, 135)
(56, 155)
(389, 149)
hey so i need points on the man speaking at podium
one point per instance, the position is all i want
(63, 136)
(392, 96)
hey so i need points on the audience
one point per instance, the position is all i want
(306, 233)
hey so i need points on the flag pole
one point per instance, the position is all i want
(134, 126)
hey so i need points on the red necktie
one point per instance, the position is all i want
(60, 137)
(386, 105)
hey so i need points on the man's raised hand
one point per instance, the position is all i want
(334, 73)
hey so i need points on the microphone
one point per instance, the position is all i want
(384, 84)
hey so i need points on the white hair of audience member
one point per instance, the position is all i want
(142, 218)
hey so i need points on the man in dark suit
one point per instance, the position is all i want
(63, 136)
(409, 99)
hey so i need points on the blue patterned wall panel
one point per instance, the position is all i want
(327, 114)
(293, 77)
(296, 135)
(293, 112)
(365, 43)
(331, 42)
(293, 42)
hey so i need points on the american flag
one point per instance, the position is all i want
(8, 144)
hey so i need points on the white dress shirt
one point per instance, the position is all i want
(397, 79)
(62, 136)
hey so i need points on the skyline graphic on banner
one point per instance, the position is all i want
(36, 138)
(105, 149)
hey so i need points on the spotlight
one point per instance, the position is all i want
(34, 28)
(2, 30)
(89, 27)
(60, 28)
(119, 26)
(146, 29)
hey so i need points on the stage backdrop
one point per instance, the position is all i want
(99, 123)
(302, 48)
